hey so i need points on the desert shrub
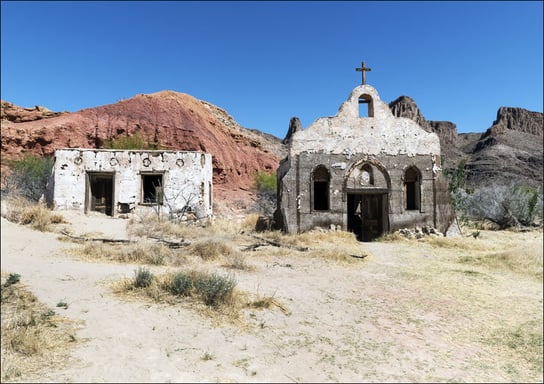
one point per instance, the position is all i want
(505, 205)
(266, 183)
(266, 186)
(135, 141)
(28, 176)
(143, 278)
(13, 278)
(181, 284)
(215, 289)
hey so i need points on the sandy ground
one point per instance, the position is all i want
(356, 323)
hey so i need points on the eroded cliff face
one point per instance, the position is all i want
(167, 119)
(510, 151)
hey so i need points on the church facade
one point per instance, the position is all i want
(363, 170)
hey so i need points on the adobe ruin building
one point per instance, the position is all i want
(363, 170)
(113, 181)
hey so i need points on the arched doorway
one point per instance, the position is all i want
(367, 187)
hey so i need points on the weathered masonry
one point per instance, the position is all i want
(362, 170)
(121, 181)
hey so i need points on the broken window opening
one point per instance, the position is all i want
(366, 106)
(321, 180)
(412, 184)
(152, 189)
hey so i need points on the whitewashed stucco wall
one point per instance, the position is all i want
(346, 133)
(187, 177)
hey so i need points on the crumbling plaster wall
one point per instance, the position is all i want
(187, 177)
(345, 142)
(347, 133)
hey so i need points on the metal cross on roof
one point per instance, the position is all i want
(363, 69)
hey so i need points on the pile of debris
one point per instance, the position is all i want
(419, 232)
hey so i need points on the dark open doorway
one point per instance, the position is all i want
(367, 215)
(99, 196)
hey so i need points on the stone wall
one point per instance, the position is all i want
(186, 178)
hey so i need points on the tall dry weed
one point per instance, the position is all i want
(33, 337)
(36, 215)
(212, 248)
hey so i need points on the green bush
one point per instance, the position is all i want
(181, 284)
(215, 289)
(143, 278)
(266, 186)
(135, 141)
(12, 279)
(28, 176)
(266, 183)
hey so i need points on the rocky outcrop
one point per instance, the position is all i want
(16, 114)
(516, 119)
(294, 126)
(168, 120)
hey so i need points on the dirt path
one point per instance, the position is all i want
(363, 322)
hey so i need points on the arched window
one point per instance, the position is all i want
(320, 180)
(412, 186)
(367, 175)
(366, 106)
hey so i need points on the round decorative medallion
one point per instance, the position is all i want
(180, 162)
(78, 160)
(146, 162)
(113, 162)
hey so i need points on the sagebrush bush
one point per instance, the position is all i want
(143, 278)
(215, 289)
(505, 205)
(181, 284)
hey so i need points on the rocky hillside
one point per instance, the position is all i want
(171, 120)
(511, 150)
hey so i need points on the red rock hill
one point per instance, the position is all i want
(172, 120)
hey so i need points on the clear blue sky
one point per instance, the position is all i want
(264, 62)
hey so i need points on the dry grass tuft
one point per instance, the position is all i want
(249, 223)
(26, 212)
(34, 338)
(237, 260)
(523, 341)
(212, 248)
(141, 252)
(522, 260)
(338, 246)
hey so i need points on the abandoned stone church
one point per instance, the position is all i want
(362, 170)
(123, 181)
